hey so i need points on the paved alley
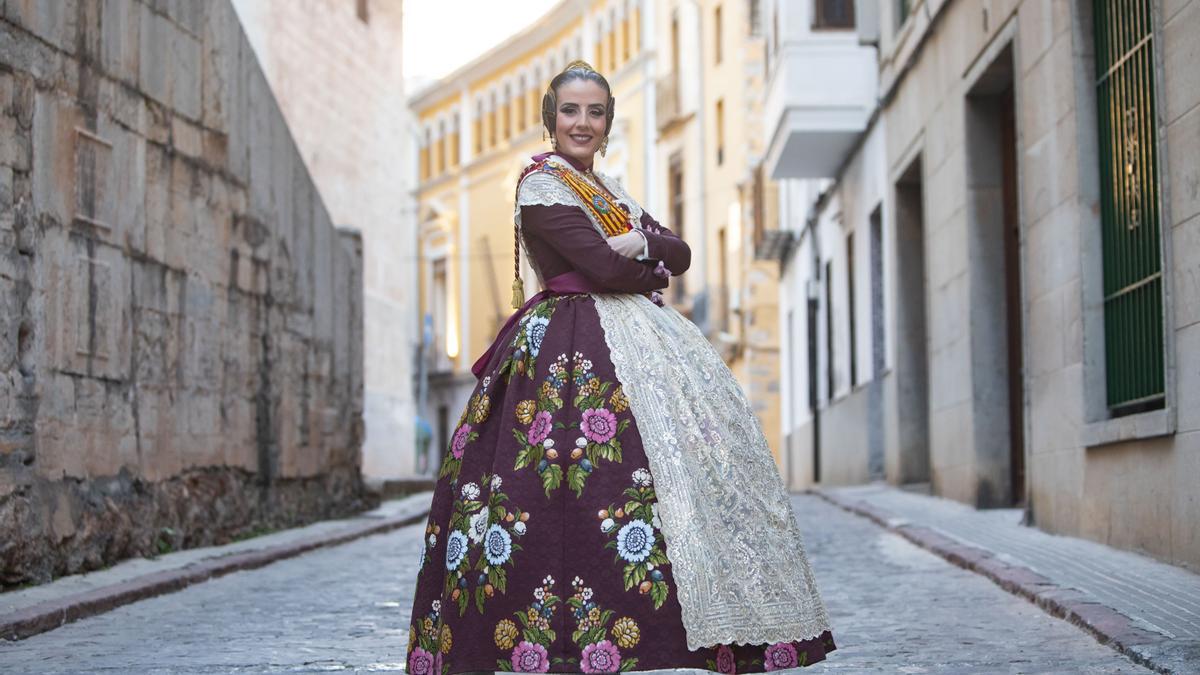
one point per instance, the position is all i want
(895, 608)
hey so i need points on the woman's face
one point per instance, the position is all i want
(580, 120)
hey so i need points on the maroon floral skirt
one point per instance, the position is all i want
(543, 551)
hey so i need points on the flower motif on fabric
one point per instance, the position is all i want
(428, 639)
(490, 524)
(636, 540)
(601, 657)
(527, 342)
(506, 632)
(535, 330)
(537, 447)
(726, 662)
(497, 545)
(474, 414)
(599, 425)
(598, 428)
(456, 550)
(432, 530)
(626, 632)
(478, 408)
(618, 400)
(530, 654)
(420, 662)
(539, 429)
(477, 526)
(600, 646)
(782, 656)
(529, 657)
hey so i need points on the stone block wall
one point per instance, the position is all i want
(181, 327)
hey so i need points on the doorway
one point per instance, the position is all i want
(912, 361)
(994, 241)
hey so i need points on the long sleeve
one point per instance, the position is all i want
(663, 244)
(568, 231)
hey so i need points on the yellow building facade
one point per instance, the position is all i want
(687, 78)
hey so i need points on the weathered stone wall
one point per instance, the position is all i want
(181, 330)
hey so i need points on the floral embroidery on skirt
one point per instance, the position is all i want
(545, 479)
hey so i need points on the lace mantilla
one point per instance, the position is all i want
(741, 573)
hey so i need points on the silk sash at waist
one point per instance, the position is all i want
(562, 284)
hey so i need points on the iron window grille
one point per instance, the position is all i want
(1129, 206)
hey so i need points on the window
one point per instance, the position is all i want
(438, 300)
(833, 14)
(492, 123)
(903, 8)
(830, 352)
(625, 46)
(720, 121)
(1129, 207)
(425, 155)
(760, 205)
(675, 185)
(362, 10)
(675, 43)
(775, 31)
(723, 278)
(522, 119)
(478, 130)
(717, 34)
(851, 307)
(440, 155)
(612, 42)
(755, 15)
(599, 57)
(507, 111)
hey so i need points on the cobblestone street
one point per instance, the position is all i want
(895, 608)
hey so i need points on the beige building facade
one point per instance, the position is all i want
(684, 77)
(1002, 267)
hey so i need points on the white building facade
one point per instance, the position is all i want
(995, 261)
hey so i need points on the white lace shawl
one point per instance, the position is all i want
(740, 570)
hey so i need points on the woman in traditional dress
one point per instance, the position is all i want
(608, 501)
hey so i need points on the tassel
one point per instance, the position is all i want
(518, 296)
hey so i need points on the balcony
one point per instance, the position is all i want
(820, 96)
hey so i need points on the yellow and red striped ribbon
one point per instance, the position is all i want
(613, 220)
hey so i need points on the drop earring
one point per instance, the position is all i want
(604, 146)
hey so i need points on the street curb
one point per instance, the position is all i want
(46, 616)
(1108, 626)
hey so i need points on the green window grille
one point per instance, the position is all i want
(1129, 204)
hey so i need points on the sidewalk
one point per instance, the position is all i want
(41, 608)
(1148, 610)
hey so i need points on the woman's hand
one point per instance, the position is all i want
(630, 245)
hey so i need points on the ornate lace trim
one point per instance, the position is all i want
(741, 573)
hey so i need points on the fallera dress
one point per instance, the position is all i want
(608, 501)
